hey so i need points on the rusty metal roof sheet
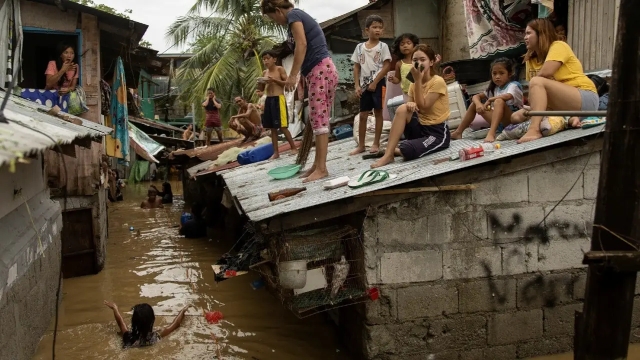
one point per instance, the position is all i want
(250, 183)
(17, 140)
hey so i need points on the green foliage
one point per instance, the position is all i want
(145, 43)
(226, 50)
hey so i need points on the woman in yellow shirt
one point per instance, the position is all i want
(422, 118)
(556, 78)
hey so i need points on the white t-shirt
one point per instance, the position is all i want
(515, 89)
(371, 61)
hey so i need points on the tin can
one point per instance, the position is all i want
(471, 153)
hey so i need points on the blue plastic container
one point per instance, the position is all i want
(343, 132)
(257, 154)
(185, 217)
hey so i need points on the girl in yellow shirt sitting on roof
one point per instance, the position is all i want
(556, 78)
(422, 118)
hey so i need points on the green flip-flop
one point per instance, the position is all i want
(369, 177)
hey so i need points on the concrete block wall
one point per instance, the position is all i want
(29, 273)
(494, 273)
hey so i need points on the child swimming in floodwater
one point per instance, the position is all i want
(141, 333)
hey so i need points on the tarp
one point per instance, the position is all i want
(138, 171)
(143, 145)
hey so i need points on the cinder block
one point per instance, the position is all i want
(460, 333)
(559, 320)
(507, 352)
(551, 184)
(472, 262)
(591, 180)
(562, 254)
(545, 346)
(580, 285)
(569, 221)
(548, 290)
(422, 301)
(381, 311)
(511, 328)
(379, 340)
(519, 258)
(415, 266)
(511, 188)
(470, 226)
(439, 229)
(393, 231)
(513, 223)
(488, 294)
(370, 232)
(476, 354)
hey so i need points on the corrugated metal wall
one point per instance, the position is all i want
(592, 27)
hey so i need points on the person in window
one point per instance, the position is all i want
(142, 333)
(62, 73)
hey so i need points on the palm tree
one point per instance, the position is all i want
(226, 49)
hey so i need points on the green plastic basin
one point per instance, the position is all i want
(284, 172)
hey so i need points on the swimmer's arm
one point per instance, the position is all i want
(117, 316)
(175, 324)
(143, 206)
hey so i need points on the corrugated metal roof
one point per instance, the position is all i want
(155, 124)
(337, 19)
(16, 140)
(250, 184)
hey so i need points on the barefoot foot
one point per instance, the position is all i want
(456, 135)
(374, 149)
(357, 151)
(531, 135)
(316, 175)
(274, 156)
(293, 151)
(382, 162)
(308, 172)
(490, 138)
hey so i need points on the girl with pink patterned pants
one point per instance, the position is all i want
(311, 59)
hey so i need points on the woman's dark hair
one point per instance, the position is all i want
(211, 89)
(141, 325)
(395, 47)
(507, 63)
(60, 48)
(270, 6)
(546, 32)
(196, 210)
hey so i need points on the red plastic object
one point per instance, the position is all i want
(374, 294)
(230, 273)
(213, 317)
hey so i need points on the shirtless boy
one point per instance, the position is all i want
(275, 116)
(153, 201)
(247, 122)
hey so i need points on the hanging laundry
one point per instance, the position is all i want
(490, 30)
(119, 111)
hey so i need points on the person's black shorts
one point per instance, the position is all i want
(372, 100)
(275, 113)
(421, 140)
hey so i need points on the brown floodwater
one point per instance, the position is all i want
(158, 267)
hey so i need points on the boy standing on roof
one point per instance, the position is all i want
(372, 62)
(275, 116)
